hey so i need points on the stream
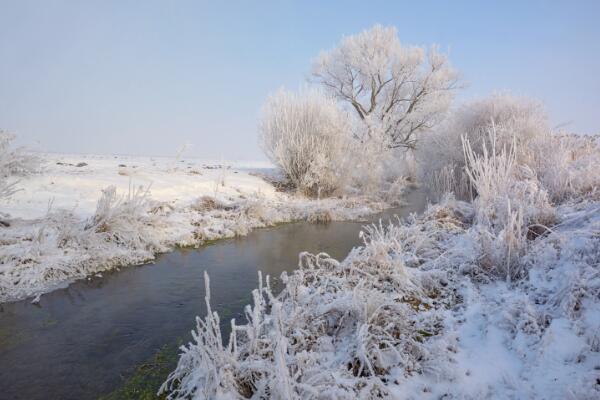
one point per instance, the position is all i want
(86, 340)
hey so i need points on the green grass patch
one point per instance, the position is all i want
(147, 378)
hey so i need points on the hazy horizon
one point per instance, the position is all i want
(146, 78)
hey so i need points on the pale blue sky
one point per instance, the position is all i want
(145, 77)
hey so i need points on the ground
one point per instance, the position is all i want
(74, 182)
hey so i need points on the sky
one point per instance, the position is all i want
(147, 77)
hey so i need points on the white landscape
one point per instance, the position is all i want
(493, 292)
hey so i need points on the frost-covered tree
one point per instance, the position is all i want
(305, 134)
(396, 91)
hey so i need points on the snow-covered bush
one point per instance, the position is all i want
(306, 135)
(13, 162)
(377, 171)
(125, 219)
(7, 188)
(566, 165)
(516, 122)
(208, 203)
(513, 167)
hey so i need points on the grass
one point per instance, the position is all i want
(147, 378)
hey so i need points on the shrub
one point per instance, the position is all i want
(306, 135)
(124, 220)
(516, 123)
(13, 162)
(566, 165)
(510, 201)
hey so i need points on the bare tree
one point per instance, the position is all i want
(397, 92)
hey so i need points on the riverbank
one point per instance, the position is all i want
(423, 310)
(88, 214)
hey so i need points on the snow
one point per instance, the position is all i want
(178, 182)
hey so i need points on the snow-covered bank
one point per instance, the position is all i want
(414, 315)
(87, 214)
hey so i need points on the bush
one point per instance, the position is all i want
(13, 162)
(516, 123)
(566, 165)
(510, 203)
(306, 135)
(124, 220)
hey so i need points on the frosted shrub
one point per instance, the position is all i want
(371, 170)
(13, 162)
(7, 188)
(517, 122)
(567, 165)
(208, 203)
(124, 220)
(306, 135)
(513, 167)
